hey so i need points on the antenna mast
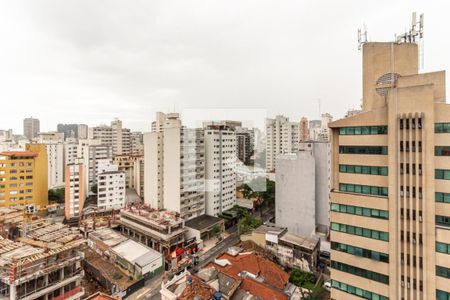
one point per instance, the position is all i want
(362, 37)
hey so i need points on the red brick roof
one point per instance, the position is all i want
(197, 288)
(275, 278)
(273, 274)
(18, 153)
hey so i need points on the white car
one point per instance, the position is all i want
(327, 285)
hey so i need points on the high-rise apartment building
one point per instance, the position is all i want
(304, 130)
(31, 127)
(114, 135)
(136, 143)
(77, 131)
(390, 199)
(75, 189)
(220, 172)
(174, 162)
(23, 177)
(245, 144)
(94, 156)
(281, 138)
(54, 145)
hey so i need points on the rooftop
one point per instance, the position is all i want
(269, 227)
(304, 242)
(108, 236)
(18, 153)
(100, 296)
(203, 222)
(158, 217)
(265, 270)
(137, 253)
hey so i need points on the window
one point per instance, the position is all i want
(442, 127)
(363, 189)
(443, 221)
(442, 150)
(361, 211)
(356, 169)
(441, 295)
(363, 130)
(379, 150)
(443, 272)
(365, 232)
(442, 174)
(357, 291)
(378, 256)
(442, 248)
(442, 197)
(360, 272)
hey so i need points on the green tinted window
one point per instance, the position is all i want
(363, 130)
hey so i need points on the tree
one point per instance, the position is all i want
(94, 188)
(56, 195)
(215, 231)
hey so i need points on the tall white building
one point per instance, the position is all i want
(174, 165)
(54, 146)
(111, 190)
(55, 154)
(282, 137)
(75, 189)
(220, 172)
(94, 154)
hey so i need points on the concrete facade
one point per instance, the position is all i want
(390, 195)
(220, 171)
(295, 193)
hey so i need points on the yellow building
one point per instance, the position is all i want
(23, 177)
(390, 199)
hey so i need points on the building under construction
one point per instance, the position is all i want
(43, 263)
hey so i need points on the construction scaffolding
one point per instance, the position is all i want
(43, 263)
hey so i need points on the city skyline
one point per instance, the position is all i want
(130, 62)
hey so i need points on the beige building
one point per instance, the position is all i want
(390, 199)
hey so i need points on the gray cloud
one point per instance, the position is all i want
(91, 61)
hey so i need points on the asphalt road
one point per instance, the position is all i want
(151, 290)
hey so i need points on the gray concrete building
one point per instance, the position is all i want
(302, 189)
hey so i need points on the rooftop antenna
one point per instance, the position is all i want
(362, 37)
(320, 111)
(414, 35)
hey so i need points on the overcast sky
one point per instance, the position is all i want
(91, 61)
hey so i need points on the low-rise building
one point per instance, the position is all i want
(203, 228)
(138, 260)
(162, 230)
(291, 250)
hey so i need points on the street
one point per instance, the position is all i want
(151, 290)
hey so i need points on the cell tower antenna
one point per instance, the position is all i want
(362, 36)
(319, 104)
(415, 33)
